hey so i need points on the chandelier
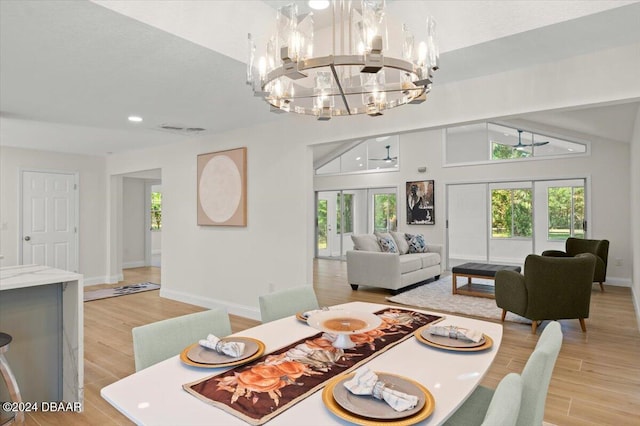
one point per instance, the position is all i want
(343, 63)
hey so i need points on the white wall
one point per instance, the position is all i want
(230, 266)
(607, 167)
(635, 213)
(134, 225)
(92, 216)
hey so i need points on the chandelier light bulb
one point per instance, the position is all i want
(318, 4)
(422, 53)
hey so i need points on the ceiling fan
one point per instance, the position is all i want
(388, 158)
(521, 145)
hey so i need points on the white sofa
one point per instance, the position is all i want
(368, 265)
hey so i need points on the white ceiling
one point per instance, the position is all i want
(72, 71)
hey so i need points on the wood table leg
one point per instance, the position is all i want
(454, 284)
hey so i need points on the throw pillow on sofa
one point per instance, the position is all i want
(401, 242)
(365, 242)
(416, 243)
(387, 244)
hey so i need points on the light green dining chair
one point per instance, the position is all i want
(537, 375)
(161, 340)
(487, 407)
(283, 303)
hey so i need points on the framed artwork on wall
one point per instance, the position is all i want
(420, 203)
(222, 188)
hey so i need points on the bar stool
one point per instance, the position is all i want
(10, 380)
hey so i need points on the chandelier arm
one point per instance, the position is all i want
(344, 98)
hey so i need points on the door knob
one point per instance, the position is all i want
(27, 238)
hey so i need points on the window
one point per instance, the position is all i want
(489, 142)
(348, 213)
(566, 212)
(384, 212)
(156, 211)
(372, 155)
(511, 214)
(508, 143)
(322, 224)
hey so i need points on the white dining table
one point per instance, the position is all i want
(154, 396)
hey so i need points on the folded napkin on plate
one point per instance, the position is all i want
(366, 382)
(234, 349)
(456, 332)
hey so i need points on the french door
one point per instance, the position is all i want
(341, 213)
(503, 222)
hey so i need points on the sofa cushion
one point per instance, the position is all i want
(365, 242)
(416, 243)
(387, 244)
(410, 263)
(401, 242)
(429, 259)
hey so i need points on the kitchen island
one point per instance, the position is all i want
(41, 308)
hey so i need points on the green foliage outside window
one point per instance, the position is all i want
(511, 214)
(566, 212)
(322, 224)
(156, 211)
(348, 213)
(385, 212)
(506, 152)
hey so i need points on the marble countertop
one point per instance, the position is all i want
(20, 276)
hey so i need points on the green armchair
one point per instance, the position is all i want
(575, 246)
(551, 288)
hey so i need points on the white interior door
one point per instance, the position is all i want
(49, 220)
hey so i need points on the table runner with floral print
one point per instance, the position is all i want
(260, 390)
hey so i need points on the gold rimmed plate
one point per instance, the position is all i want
(300, 317)
(198, 356)
(368, 411)
(423, 336)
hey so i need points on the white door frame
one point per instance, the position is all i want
(76, 207)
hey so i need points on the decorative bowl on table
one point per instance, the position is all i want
(343, 323)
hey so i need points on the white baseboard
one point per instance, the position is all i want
(94, 281)
(135, 264)
(232, 308)
(618, 282)
(102, 280)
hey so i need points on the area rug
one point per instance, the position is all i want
(119, 291)
(437, 296)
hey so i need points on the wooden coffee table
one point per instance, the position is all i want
(485, 271)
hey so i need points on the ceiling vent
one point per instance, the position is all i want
(183, 130)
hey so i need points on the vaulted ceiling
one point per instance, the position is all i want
(72, 71)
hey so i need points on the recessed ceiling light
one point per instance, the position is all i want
(382, 138)
(360, 165)
(318, 4)
(135, 118)
(358, 158)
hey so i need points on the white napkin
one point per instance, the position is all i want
(456, 333)
(234, 349)
(307, 314)
(366, 382)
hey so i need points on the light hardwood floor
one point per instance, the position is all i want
(596, 380)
